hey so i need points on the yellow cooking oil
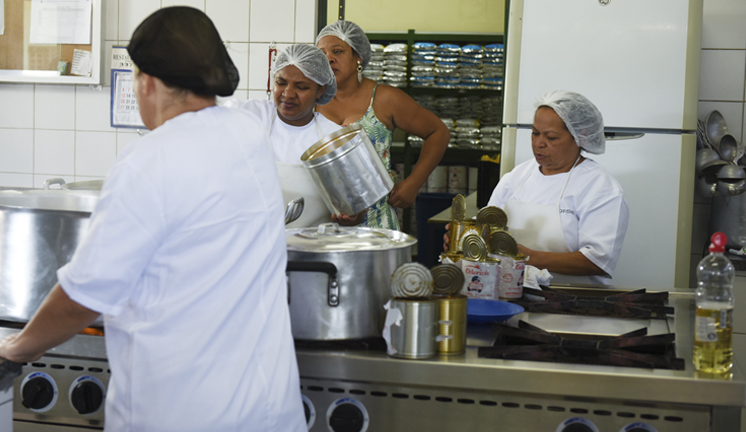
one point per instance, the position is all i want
(713, 338)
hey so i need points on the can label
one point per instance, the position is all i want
(480, 279)
(510, 285)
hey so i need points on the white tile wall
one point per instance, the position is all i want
(64, 131)
(54, 152)
(231, 17)
(95, 153)
(17, 107)
(53, 107)
(722, 82)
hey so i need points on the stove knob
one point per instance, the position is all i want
(38, 392)
(577, 424)
(309, 410)
(347, 415)
(638, 427)
(87, 395)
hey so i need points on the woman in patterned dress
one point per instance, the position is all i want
(379, 109)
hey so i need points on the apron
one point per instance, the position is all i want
(539, 227)
(296, 182)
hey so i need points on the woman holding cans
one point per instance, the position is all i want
(379, 109)
(301, 80)
(567, 213)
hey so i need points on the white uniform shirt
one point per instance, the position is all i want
(593, 210)
(288, 142)
(186, 259)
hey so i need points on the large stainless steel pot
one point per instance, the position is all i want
(728, 215)
(339, 279)
(39, 231)
(347, 170)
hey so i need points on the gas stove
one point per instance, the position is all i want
(356, 390)
(64, 390)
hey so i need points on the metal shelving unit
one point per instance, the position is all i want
(408, 154)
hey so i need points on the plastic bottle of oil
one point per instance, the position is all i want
(713, 323)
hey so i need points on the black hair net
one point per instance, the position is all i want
(182, 47)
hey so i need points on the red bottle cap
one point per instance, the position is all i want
(718, 241)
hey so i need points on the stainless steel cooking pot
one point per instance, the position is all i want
(39, 231)
(339, 279)
(347, 170)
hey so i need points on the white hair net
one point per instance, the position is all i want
(581, 117)
(351, 34)
(313, 64)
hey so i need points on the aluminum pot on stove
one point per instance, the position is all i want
(39, 232)
(339, 278)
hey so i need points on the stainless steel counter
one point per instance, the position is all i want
(718, 398)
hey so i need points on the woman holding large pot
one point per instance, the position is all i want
(301, 80)
(379, 109)
(567, 213)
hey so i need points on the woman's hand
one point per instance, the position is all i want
(447, 238)
(350, 220)
(404, 193)
(7, 351)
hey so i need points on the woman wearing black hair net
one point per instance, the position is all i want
(185, 256)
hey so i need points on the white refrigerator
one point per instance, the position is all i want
(638, 61)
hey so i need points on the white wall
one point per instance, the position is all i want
(721, 87)
(63, 130)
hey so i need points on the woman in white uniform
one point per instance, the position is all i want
(566, 211)
(185, 256)
(302, 79)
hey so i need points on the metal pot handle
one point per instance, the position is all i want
(53, 181)
(318, 266)
(333, 228)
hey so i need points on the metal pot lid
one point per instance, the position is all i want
(330, 237)
(52, 200)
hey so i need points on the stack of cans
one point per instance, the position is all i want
(395, 65)
(374, 69)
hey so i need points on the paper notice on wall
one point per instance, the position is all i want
(60, 22)
(124, 109)
(81, 63)
(2, 17)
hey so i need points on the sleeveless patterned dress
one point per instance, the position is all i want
(381, 214)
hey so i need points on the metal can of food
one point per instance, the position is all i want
(452, 324)
(480, 278)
